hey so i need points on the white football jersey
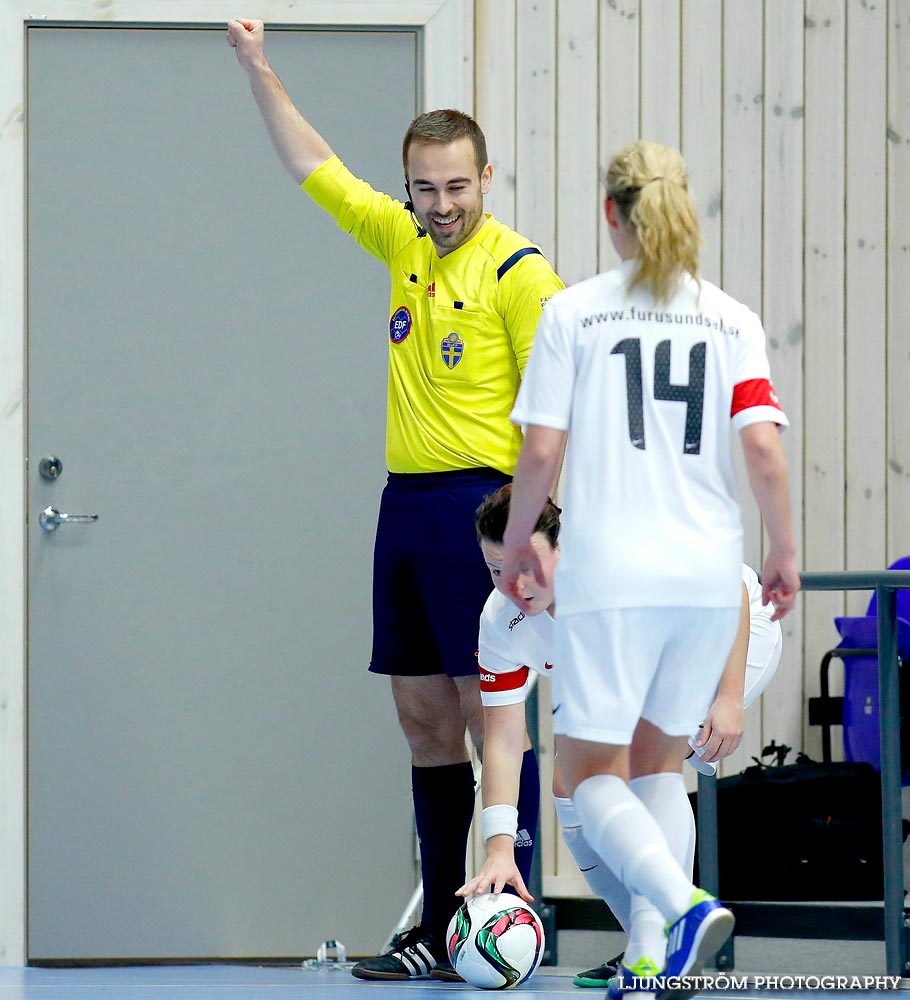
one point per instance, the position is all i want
(648, 397)
(512, 644)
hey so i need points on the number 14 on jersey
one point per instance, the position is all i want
(692, 393)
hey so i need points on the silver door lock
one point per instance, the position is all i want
(50, 467)
(51, 518)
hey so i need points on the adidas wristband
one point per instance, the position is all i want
(500, 819)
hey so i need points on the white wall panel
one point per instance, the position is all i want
(898, 270)
(742, 242)
(535, 131)
(865, 288)
(660, 70)
(577, 203)
(702, 121)
(783, 300)
(825, 75)
(618, 119)
(494, 67)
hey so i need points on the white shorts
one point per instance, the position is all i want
(765, 643)
(624, 664)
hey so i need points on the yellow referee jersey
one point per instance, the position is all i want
(460, 328)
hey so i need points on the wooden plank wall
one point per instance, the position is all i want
(794, 118)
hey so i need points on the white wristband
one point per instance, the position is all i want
(500, 819)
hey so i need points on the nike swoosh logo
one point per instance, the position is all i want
(557, 708)
(589, 869)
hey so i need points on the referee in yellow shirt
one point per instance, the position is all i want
(466, 296)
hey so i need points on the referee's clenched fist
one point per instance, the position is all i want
(246, 37)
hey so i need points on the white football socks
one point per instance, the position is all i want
(646, 949)
(621, 830)
(667, 800)
(665, 797)
(601, 880)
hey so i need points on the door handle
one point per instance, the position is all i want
(51, 518)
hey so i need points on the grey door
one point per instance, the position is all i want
(211, 771)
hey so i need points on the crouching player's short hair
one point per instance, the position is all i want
(491, 516)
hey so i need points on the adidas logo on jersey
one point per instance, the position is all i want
(487, 678)
(523, 839)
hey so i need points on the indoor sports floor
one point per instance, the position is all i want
(233, 982)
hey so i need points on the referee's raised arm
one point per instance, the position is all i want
(299, 146)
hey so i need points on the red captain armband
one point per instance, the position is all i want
(511, 681)
(753, 392)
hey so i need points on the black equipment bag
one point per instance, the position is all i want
(804, 831)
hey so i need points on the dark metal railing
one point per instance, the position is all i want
(885, 583)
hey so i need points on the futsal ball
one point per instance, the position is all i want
(495, 941)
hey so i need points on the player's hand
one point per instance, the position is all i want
(499, 870)
(722, 731)
(780, 584)
(518, 562)
(246, 38)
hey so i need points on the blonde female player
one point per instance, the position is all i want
(644, 368)
(511, 646)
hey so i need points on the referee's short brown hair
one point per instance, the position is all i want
(442, 127)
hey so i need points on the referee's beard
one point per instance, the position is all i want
(449, 238)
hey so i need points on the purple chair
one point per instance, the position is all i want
(858, 710)
(860, 718)
(903, 597)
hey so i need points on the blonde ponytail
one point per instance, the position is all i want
(649, 184)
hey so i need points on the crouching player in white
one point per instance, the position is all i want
(513, 644)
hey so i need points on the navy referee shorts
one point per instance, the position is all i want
(430, 582)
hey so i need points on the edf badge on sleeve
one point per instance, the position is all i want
(400, 324)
